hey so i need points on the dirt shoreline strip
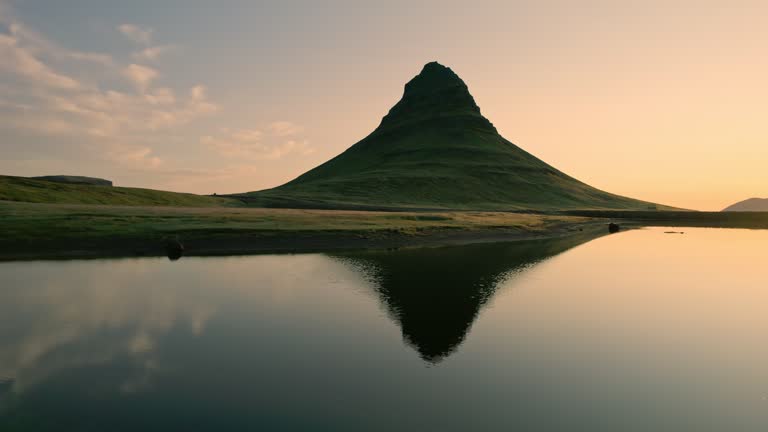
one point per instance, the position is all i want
(30, 231)
(300, 242)
(286, 242)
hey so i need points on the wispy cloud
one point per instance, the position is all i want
(141, 76)
(79, 99)
(22, 62)
(199, 92)
(161, 96)
(255, 144)
(152, 53)
(144, 36)
(140, 35)
(133, 156)
(285, 128)
(37, 44)
(102, 59)
(111, 124)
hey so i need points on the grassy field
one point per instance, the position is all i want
(75, 180)
(35, 230)
(48, 229)
(434, 150)
(41, 191)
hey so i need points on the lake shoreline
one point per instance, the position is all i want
(48, 231)
(66, 231)
(295, 242)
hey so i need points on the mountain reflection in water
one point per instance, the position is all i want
(435, 294)
(639, 331)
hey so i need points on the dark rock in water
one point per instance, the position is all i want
(75, 180)
(613, 228)
(175, 256)
(174, 249)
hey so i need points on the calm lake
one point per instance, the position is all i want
(636, 331)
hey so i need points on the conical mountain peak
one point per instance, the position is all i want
(436, 93)
(435, 150)
(434, 77)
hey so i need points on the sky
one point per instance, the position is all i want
(658, 100)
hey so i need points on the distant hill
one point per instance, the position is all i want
(74, 180)
(45, 191)
(749, 205)
(435, 150)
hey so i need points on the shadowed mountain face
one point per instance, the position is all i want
(434, 149)
(435, 294)
(436, 93)
(749, 205)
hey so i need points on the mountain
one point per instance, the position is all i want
(44, 191)
(749, 205)
(434, 149)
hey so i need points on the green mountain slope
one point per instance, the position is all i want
(435, 150)
(42, 191)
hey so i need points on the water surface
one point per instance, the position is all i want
(635, 331)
